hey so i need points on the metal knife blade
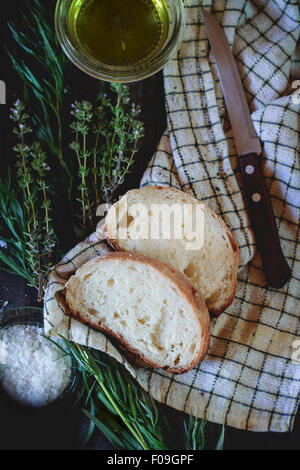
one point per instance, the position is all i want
(245, 137)
(248, 147)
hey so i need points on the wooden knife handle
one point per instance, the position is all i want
(261, 214)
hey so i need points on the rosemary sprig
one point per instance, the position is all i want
(44, 88)
(194, 434)
(121, 410)
(13, 257)
(119, 404)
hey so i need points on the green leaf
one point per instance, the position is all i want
(132, 404)
(220, 443)
(109, 434)
(91, 426)
(13, 266)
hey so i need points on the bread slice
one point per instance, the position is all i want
(149, 307)
(212, 268)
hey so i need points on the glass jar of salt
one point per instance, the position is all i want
(33, 372)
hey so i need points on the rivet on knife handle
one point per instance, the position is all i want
(263, 221)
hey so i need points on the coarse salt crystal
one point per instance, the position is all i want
(34, 373)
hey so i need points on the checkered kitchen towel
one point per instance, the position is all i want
(248, 379)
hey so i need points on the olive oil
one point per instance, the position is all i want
(120, 32)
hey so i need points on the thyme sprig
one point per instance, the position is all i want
(32, 173)
(83, 115)
(121, 136)
(106, 141)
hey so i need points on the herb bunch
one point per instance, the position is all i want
(103, 139)
(120, 139)
(106, 140)
(122, 411)
(42, 70)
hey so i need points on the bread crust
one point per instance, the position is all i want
(214, 311)
(115, 244)
(180, 281)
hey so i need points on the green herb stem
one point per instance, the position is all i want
(122, 416)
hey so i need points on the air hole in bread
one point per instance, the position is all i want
(110, 282)
(190, 270)
(143, 320)
(130, 219)
(116, 315)
(177, 360)
(123, 322)
(192, 348)
(155, 342)
(87, 276)
(92, 311)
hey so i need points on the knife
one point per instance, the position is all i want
(248, 148)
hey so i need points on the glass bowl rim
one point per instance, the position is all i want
(122, 74)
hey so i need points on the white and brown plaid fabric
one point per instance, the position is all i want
(248, 379)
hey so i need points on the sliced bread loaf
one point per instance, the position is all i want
(149, 307)
(211, 267)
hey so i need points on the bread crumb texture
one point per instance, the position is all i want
(149, 309)
(212, 269)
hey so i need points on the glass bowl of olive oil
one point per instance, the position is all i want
(120, 40)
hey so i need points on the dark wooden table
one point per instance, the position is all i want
(66, 429)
